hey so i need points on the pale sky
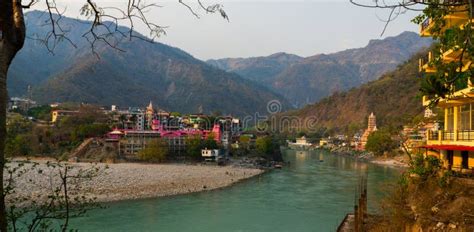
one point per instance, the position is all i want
(261, 28)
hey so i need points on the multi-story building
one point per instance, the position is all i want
(454, 143)
(132, 119)
(131, 142)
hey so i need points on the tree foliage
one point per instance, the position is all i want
(269, 147)
(264, 145)
(451, 75)
(155, 151)
(194, 145)
(26, 138)
(40, 112)
(380, 142)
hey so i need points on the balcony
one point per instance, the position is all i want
(424, 63)
(457, 18)
(448, 137)
(425, 25)
(465, 135)
(433, 135)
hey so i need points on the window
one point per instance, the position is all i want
(450, 119)
(464, 117)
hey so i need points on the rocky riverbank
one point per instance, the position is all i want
(399, 161)
(127, 181)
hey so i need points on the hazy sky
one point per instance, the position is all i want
(260, 28)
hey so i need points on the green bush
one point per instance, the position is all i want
(194, 145)
(379, 142)
(424, 166)
(155, 151)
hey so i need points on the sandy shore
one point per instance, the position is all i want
(390, 163)
(134, 181)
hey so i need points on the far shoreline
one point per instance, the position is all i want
(390, 162)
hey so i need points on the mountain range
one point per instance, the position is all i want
(176, 81)
(393, 99)
(306, 80)
(142, 72)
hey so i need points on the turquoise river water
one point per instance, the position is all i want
(309, 195)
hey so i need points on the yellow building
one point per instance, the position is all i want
(454, 144)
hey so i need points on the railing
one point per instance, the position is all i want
(433, 135)
(462, 135)
(447, 135)
(466, 135)
(425, 60)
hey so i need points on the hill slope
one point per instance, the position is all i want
(305, 81)
(393, 98)
(171, 78)
(258, 69)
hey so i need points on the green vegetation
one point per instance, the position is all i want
(425, 167)
(380, 142)
(40, 112)
(264, 145)
(25, 138)
(195, 144)
(449, 75)
(268, 147)
(155, 151)
(244, 146)
(426, 198)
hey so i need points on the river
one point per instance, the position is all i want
(309, 195)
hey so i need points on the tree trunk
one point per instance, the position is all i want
(12, 38)
(3, 135)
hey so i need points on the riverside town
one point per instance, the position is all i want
(237, 116)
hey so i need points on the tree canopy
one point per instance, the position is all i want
(155, 151)
(380, 142)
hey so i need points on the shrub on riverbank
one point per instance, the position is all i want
(156, 151)
(30, 138)
(194, 145)
(380, 142)
(427, 198)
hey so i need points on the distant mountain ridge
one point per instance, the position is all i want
(392, 98)
(306, 80)
(170, 77)
(257, 68)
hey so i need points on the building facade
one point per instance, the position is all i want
(371, 127)
(454, 143)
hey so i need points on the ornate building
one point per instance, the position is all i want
(149, 116)
(372, 126)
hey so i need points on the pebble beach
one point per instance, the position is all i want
(127, 181)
